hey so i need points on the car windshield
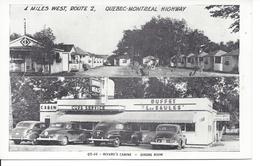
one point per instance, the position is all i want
(167, 128)
(24, 124)
(57, 125)
(103, 126)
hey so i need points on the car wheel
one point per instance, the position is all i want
(183, 144)
(86, 142)
(64, 141)
(154, 147)
(35, 142)
(97, 143)
(17, 142)
(116, 142)
(179, 145)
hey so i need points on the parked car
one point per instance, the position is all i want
(169, 135)
(64, 133)
(27, 131)
(115, 133)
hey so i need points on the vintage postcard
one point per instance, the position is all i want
(150, 80)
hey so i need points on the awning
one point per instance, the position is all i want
(135, 117)
(86, 118)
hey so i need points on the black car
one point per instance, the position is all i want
(64, 133)
(115, 133)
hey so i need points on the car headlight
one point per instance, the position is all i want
(45, 133)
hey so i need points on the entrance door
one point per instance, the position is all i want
(47, 121)
(28, 64)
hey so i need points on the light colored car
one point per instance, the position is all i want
(27, 131)
(169, 135)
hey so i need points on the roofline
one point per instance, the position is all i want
(11, 42)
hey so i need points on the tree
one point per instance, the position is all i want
(162, 38)
(14, 36)
(227, 11)
(47, 38)
(27, 93)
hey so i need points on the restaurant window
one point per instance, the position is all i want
(87, 126)
(217, 59)
(189, 60)
(145, 126)
(190, 126)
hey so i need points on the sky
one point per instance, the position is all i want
(99, 32)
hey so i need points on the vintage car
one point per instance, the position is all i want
(115, 133)
(64, 133)
(27, 131)
(169, 135)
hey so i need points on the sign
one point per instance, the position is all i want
(222, 117)
(95, 82)
(163, 107)
(88, 107)
(48, 107)
(95, 89)
(25, 41)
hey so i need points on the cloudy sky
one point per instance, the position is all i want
(100, 31)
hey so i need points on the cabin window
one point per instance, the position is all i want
(200, 59)
(124, 61)
(227, 62)
(217, 59)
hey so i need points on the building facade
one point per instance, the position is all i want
(29, 56)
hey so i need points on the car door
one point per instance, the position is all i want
(75, 132)
(127, 133)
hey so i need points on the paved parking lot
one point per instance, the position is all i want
(225, 146)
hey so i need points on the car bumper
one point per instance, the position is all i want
(48, 139)
(23, 138)
(164, 143)
(100, 139)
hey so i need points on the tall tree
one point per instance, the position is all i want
(47, 38)
(227, 11)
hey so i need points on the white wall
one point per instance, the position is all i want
(124, 62)
(218, 66)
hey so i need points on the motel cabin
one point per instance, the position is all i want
(93, 60)
(200, 59)
(74, 57)
(191, 61)
(181, 62)
(231, 61)
(28, 55)
(122, 60)
(213, 61)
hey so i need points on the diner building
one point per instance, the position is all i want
(196, 116)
